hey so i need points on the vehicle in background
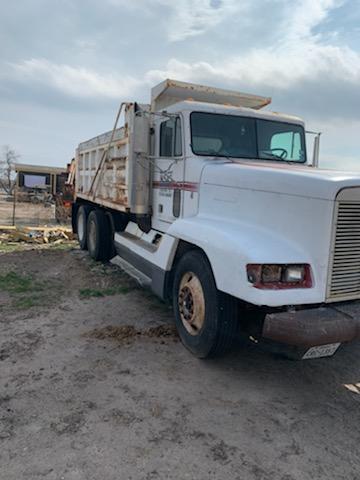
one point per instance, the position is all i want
(212, 200)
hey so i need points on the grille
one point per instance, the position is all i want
(345, 262)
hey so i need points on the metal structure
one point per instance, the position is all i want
(49, 179)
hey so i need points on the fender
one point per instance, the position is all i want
(230, 246)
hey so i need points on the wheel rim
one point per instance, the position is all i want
(92, 236)
(80, 226)
(191, 303)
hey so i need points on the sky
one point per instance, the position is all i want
(65, 65)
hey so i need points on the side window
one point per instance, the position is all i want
(166, 138)
(170, 138)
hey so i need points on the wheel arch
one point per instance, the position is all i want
(230, 246)
(182, 248)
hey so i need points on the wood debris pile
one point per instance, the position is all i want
(37, 235)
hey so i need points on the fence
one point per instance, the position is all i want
(15, 211)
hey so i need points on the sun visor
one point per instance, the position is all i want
(169, 92)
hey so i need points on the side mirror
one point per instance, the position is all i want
(316, 151)
(316, 148)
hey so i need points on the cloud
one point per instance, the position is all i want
(302, 16)
(278, 68)
(76, 82)
(303, 53)
(298, 56)
(301, 65)
(186, 18)
(194, 17)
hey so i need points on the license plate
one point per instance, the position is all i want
(321, 351)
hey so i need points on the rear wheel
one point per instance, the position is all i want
(100, 236)
(81, 225)
(206, 319)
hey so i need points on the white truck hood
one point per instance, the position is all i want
(283, 178)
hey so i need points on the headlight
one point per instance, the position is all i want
(271, 273)
(294, 273)
(279, 276)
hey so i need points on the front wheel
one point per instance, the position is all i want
(206, 319)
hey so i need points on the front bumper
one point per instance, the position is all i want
(335, 323)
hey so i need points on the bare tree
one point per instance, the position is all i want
(7, 165)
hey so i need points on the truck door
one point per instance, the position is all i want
(168, 175)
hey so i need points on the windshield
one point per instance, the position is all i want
(241, 137)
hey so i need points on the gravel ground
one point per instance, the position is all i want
(94, 384)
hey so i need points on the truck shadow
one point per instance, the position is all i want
(317, 380)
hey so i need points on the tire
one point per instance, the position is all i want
(206, 319)
(100, 236)
(81, 225)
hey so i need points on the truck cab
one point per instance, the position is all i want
(212, 201)
(197, 135)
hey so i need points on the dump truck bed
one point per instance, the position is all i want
(108, 187)
(110, 168)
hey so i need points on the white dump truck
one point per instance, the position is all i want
(211, 199)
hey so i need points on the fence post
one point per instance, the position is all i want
(14, 206)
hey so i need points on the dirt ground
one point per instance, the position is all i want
(94, 384)
(25, 213)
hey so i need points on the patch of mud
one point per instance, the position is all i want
(162, 331)
(4, 298)
(121, 333)
(121, 417)
(68, 424)
(153, 475)
(82, 377)
(9, 420)
(128, 333)
(25, 344)
(221, 452)
(173, 434)
(6, 427)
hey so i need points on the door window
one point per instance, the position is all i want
(170, 138)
